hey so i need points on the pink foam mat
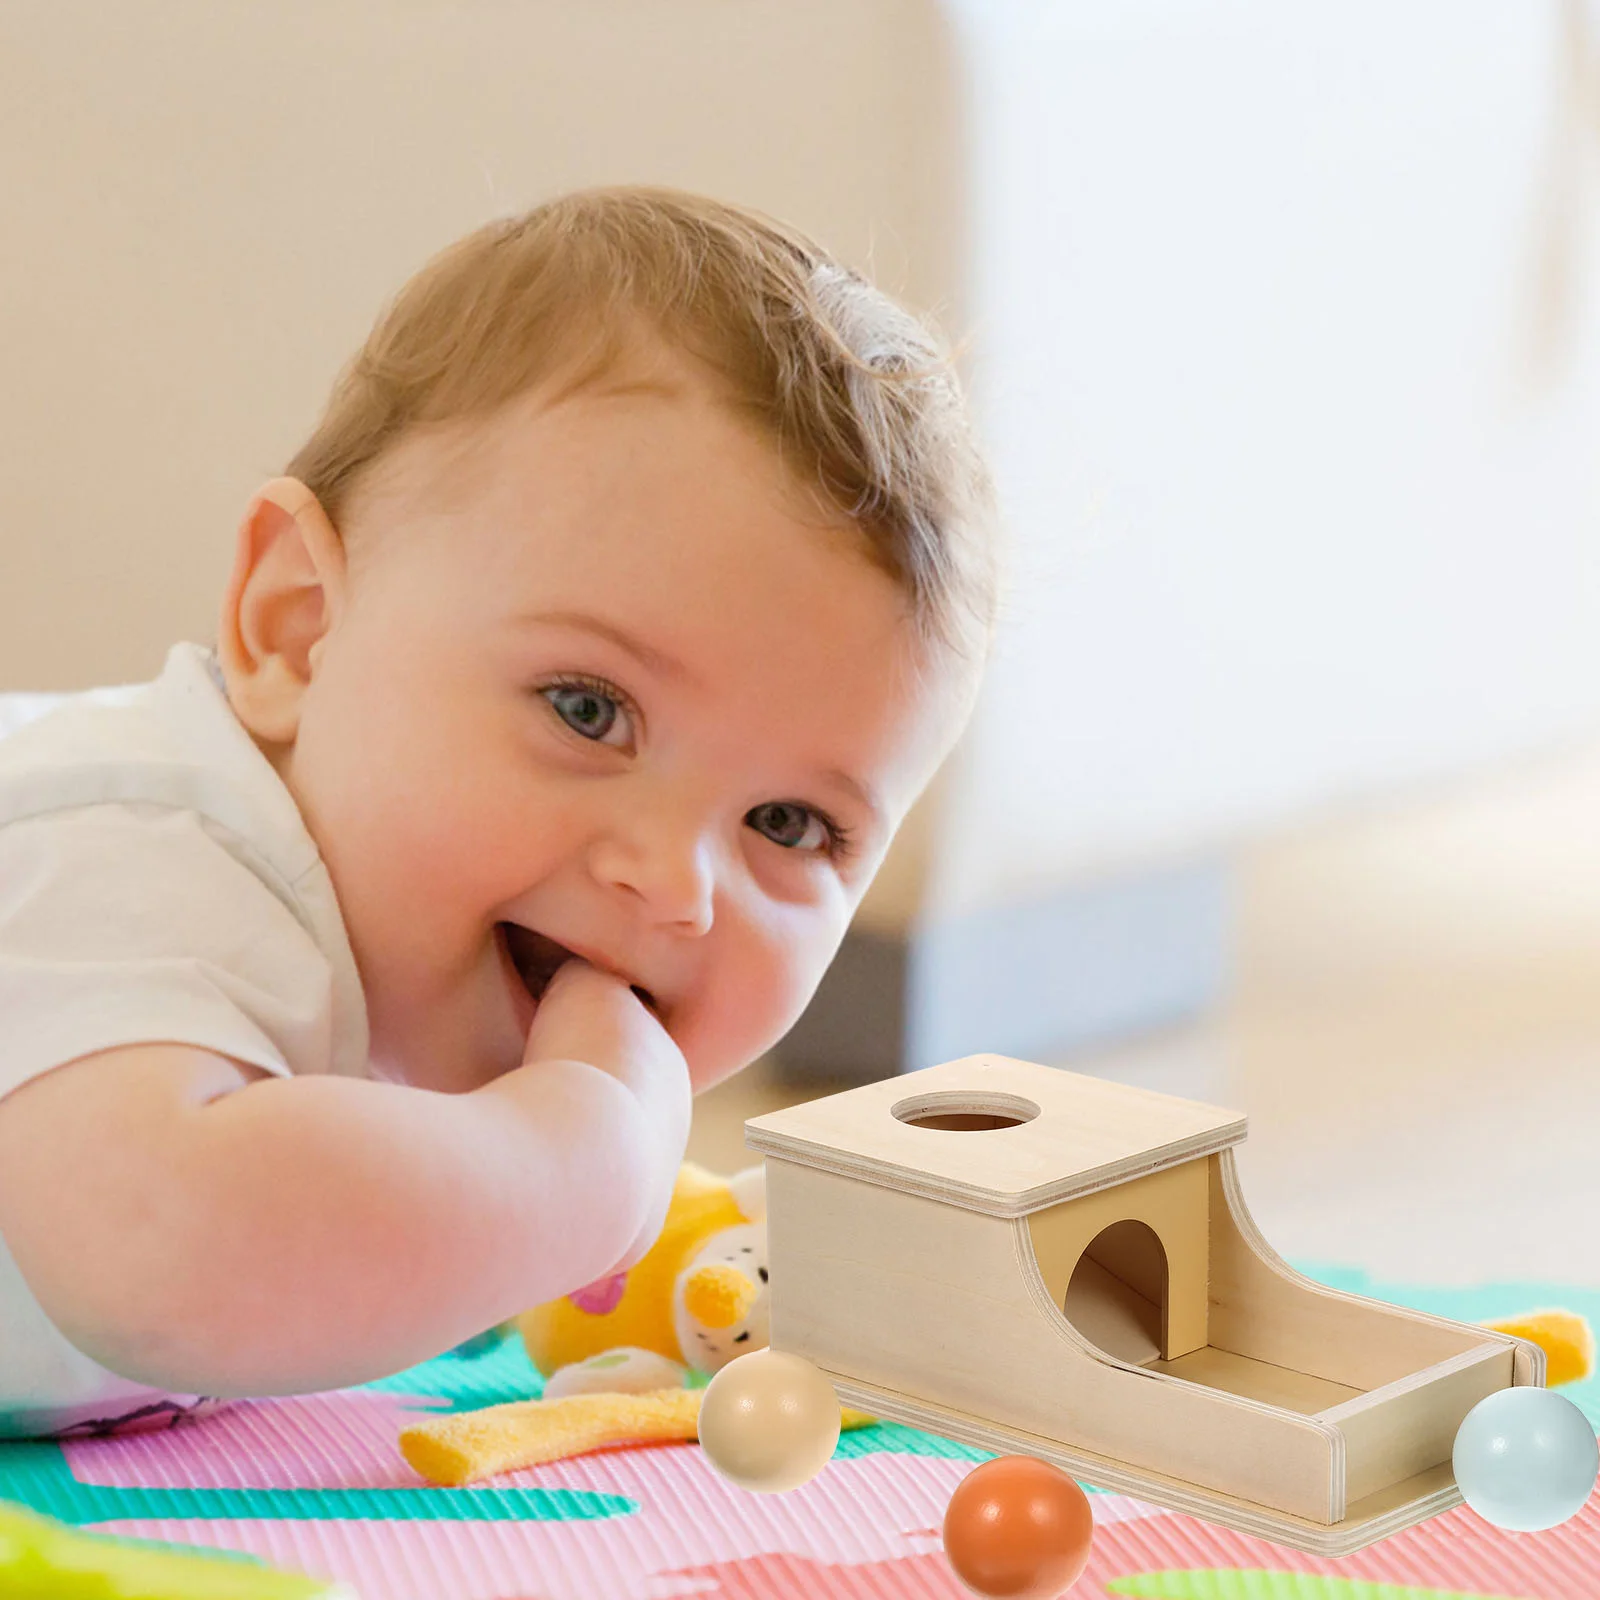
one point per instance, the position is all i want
(318, 1484)
(867, 1527)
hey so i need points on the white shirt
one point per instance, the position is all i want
(157, 883)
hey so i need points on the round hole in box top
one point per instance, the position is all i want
(957, 1111)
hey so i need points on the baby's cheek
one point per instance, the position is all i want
(776, 989)
(722, 1028)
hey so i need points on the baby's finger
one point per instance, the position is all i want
(591, 1016)
(580, 1004)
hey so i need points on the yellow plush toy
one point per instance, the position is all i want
(642, 1312)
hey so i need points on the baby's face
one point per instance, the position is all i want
(608, 677)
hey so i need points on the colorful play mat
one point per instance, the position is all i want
(318, 1485)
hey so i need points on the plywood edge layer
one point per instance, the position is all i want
(1376, 1517)
(908, 1180)
(1528, 1363)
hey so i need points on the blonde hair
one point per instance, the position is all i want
(858, 395)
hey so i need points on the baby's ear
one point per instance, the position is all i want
(749, 1190)
(285, 594)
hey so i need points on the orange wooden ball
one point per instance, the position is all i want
(1018, 1529)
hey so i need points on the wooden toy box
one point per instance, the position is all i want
(1038, 1262)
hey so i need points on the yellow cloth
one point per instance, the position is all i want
(1564, 1336)
(477, 1444)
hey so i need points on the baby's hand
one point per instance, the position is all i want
(591, 1016)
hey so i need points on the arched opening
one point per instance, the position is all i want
(1117, 1296)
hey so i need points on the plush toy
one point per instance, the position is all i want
(696, 1300)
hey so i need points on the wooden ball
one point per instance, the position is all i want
(769, 1421)
(1018, 1528)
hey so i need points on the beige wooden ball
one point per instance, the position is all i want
(769, 1421)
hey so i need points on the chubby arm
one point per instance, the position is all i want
(198, 1226)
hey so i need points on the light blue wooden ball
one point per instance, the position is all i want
(1525, 1459)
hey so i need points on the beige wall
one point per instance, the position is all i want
(206, 206)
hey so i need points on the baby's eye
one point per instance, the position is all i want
(587, 709)
(794, 826)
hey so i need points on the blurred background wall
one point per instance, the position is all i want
(1284, 347)
(1304, 497)
(206, 207)
(1264, 314)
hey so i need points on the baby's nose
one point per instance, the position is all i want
(674, 876)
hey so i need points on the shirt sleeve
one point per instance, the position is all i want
(131, 923)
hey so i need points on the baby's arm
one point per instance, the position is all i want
(318, 1231)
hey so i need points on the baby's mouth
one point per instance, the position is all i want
(537, 959)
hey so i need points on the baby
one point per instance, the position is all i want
(356, 974)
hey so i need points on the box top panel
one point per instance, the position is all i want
(996, 1135)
